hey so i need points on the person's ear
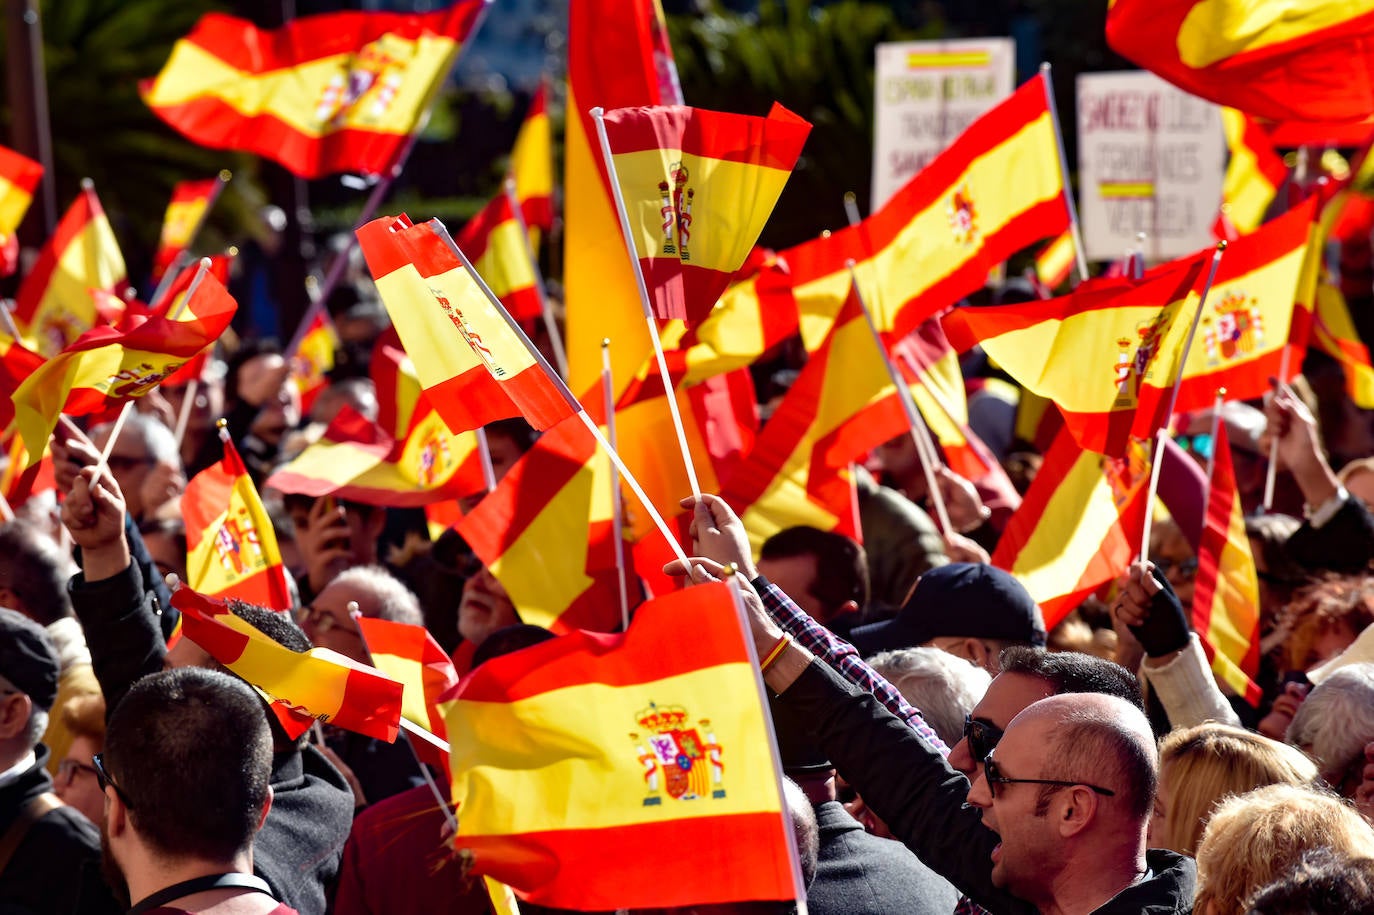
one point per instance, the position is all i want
(1077, 808)
(15, 711)
(116, 814)
(266, 806)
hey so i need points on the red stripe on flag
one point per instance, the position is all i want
(768, 143)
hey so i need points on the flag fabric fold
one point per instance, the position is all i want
(410, 656)
(334, 92)
(698, 187)
(106, 365)
(318, 683)
(1310, 61)
(1334, 333)
(231, 545)
(1226, 593)
(615, 744)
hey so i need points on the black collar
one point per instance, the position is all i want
(200, 885)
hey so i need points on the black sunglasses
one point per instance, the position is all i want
(982, 737)
(995, 777)
(102, 778)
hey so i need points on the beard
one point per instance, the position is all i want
(111, 871)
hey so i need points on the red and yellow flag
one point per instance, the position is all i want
(336, 92)
(1253, 176)
(1310, 61)
(219, 269)
(191, 201)
(107, 366)
(19, 177)
(462, 345)
(55, 303)
(618, 57)
(17, 362)
(698, 187)
(357, 460)
(939, 236)
(1334, 333)
(318, 683)
(231, 546)
(1226, 593)
(546, 533)
(531, 166)
(492, 241)
(842, 405)
(1078, 527)
(314, 357)
(410, 656)
(1054, 262)
(398, 387)
(549, 725)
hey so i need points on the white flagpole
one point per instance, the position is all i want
(599, 115)
(1272, 471)
(851, 208)
(617, 500)
(1080, 257)
(568, 396)
(1173, 400)
(920, 435)
(560, 353)
(484, 458)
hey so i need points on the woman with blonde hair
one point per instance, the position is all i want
(1199, 766)
(1254, 838)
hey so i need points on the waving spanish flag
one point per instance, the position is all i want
(231, 545)
(698, 187)
(1309, 61)
(17, 362)
(1054, 262)
(1226, 604)
(334, 92)
(473, 363)
(314, 357)
(410, 656)
(531, 165)
(1078, 526)
(618, 744)
(191, 201)
(1253, 176)
(19, 177)
(55, 304)
(1334, 333)
(492, 241)
(319, 683)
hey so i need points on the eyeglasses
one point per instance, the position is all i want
(68, 768)
(995, 777)
(1187, 568)
(981, 736)
(102, 778)
(1200, 444)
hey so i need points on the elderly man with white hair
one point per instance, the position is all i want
(1334, 723)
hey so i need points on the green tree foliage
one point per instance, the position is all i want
(95, 53)
(816, 61)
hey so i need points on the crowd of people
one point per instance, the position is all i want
(946, 750)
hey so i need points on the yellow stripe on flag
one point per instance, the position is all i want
(1213, 30)
(14, 203)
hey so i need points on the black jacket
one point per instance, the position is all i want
(922, 800)
(300, 845)
(56, 869)
(1343, 544)
(862, 874)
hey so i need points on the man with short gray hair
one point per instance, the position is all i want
(1333, 724)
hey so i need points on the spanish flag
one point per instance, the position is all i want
(938, 237)
(410, 656)
(231, 545)
(492, 241)
(617, 54)
(931, 370)
(1309, 62)
(621, 750)
(474, 365)
(1078, 527)
(398, 387)
(1226, 593)
(314, 357)
(546, 533)
(698, 187)
(191, 201)
(1253, 176)
(17, 362)
(842, 405)
(358, 460)
(336, 92)
(1054, 262)
(55, 304)
(108, 365)
(219, 269)
(318, 683)
(19, 177)
(1334, 333)
(531, 165)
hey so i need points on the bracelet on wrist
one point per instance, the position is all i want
(774, 653)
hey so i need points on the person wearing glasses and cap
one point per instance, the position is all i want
(49, 853)
(1089, 797)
